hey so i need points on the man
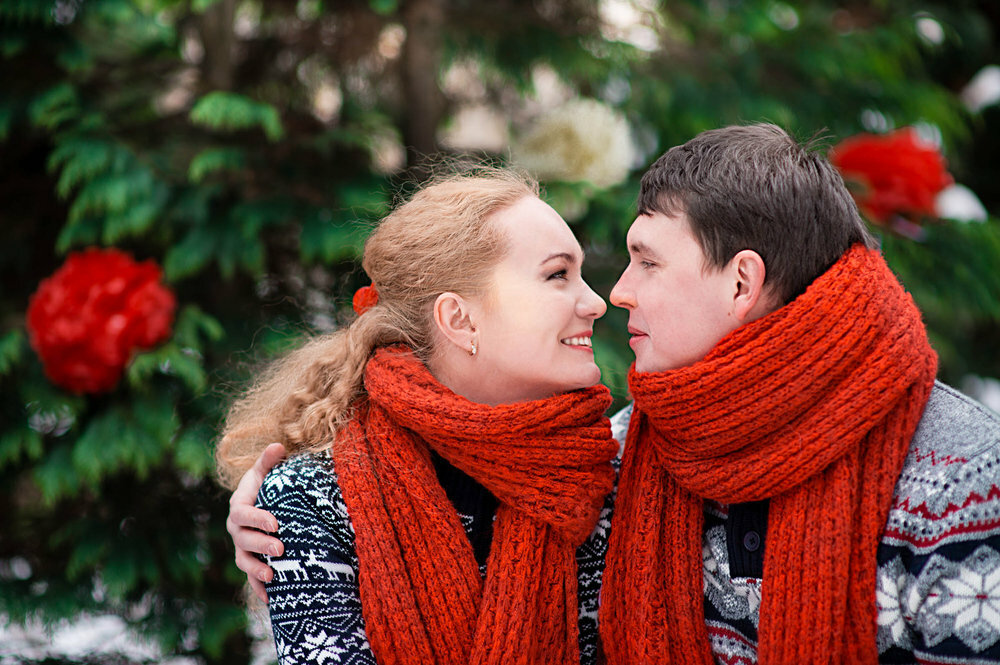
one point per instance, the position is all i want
(795, 487)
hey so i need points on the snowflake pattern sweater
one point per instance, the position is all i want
(938, 595)
(938, 591)
(314, 598)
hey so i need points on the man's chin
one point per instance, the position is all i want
(645, 364)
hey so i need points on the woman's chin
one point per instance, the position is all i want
(586, 379)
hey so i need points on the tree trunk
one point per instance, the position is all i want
(218, 41)
(423, 100)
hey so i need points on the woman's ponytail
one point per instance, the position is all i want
(440, 240)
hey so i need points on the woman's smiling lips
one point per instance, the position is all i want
(580, 340)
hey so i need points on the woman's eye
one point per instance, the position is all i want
(559, 274)
(646, 264)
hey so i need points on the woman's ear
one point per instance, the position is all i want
(453, 317)
(751, 299)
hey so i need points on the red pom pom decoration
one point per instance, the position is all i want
(364, 299)
(93, 313)
(895, 174)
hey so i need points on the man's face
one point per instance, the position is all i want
(679, 307)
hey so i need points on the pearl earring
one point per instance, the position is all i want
(472, 352)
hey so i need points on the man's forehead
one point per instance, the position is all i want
(644, 233)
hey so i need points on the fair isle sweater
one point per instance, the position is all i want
(938, 593)
(313, 598)
(937, 598)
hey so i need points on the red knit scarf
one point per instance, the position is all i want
(812, 406)
(547, 462)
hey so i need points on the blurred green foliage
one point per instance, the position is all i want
(248, 146)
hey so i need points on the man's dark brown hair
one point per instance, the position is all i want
(755, 187)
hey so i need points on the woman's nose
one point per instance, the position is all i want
(591, 305)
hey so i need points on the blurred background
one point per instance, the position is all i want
(229, 156)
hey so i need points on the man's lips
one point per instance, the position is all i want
(636, 336)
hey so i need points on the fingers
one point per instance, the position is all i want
(246, 516)
(258, 573)
(242, 512)
(268, 459)
(253, 567)
(247, 541)
(253, 542)
(249, 485)
(246, 522)
(258, 589)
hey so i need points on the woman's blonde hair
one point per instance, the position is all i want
(439, 240)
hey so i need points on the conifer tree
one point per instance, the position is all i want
(245, 148)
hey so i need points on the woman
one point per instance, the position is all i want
(458, 456)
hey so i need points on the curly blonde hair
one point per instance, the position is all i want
(440, 240)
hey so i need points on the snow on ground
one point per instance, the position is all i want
(92, 637)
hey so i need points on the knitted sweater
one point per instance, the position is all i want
(313, 599)
(938, 580)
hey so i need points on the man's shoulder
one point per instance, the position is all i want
(948, 484)
(955, 424)
(619, 425)
(940, 551)
(619, 422)
(957, 438)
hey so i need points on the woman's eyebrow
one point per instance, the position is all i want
(564, 255)
(558, 255)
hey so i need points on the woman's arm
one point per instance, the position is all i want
(248, 525)
(315, 601)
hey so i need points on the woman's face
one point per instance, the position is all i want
(534, 325)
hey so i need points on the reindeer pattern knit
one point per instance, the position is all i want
(547, 465)
(938, 593)
(937, 597)
(313, 599)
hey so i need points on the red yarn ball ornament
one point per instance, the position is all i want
(364, 299)
(88, 319)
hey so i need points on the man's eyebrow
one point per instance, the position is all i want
(639, 247)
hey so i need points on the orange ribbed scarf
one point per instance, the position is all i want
(548, 462)
(812, 406)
